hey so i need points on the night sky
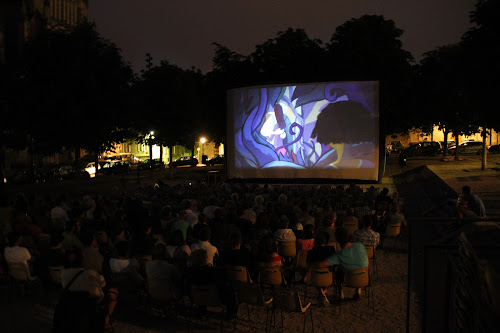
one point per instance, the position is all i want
(182, 32)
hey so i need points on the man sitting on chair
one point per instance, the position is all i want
(367, 236)
(352, 256)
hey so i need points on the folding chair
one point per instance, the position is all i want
(55, 274)
(359, 278)
(371, 254)
(237, 273)
(301, 264)
(160, 292)
(393, 230)
(251, 294)
(288, 300)
(319, 278)
(207, 296)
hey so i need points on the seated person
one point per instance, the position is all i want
(328, 225)
(283, 233)
(159, 268)
(178, 251)
(70, 236)
(320, 252)
(123, 263)
(204, 243)
(367, 236)
(238, 255)
(267, 257)
(14, 253)
(89, 281)
(352, 256)
(92, 259)
(306, 242)
(200, 272)
(143, 243)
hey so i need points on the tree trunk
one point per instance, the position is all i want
(161, 157)
(483, 157)
(96, 162)
(171, 168)
(456, 146)
(77, 162)
(445, 148)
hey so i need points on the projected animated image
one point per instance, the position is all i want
(306, 126)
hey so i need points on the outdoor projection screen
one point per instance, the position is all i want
(323, 130)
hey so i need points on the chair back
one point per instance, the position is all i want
(288, 299)
(287, 248)
(370, 251)
(55, 274)
(350, 227)
(393, 229)
(320, 277)
(160, 290)
(251, 294)
(237, 273)
(43, 242)
(301, 263)
(206, 295)
(357, 278)
(126, 282)
(271, 276)
(19, 271)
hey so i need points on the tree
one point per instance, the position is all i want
(369, 48)
(170, 100)
(442, 92)
(290, 57)
(74, 84)
(482, 66)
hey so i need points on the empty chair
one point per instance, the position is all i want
(393, 230)
(288, 300)
(251, 294)
(55, 274)
(301, 263)
(205, 295)
(43, 242)
(370, 253)
(160, 292)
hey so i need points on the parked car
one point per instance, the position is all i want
(395, 147)
(426, 148)
(495, 149)
(90, 168)
(149, 164)
(219, 159)
(115, 167)
(185, 160)
(451, 144)
(469, 147)
(67, 171)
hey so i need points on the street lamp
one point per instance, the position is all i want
(202, 141)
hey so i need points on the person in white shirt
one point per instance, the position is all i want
(204, 243)
(14, 253)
